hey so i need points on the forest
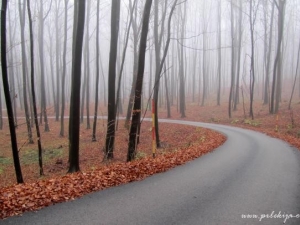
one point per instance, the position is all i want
(83, 74)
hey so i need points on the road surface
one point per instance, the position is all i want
(251, 174)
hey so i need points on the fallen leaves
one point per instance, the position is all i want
(16, 199)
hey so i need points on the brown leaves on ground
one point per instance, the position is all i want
(16, 199)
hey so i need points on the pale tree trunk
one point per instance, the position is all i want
(219, 52)
(268, 59)
(295, 79)
(232, 60)
(42, 69)
(33, 90)
(277, 74)
(57, 57)
(63, 75)
(24, 68)
(240, 36)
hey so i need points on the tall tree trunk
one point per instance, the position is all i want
(268, 64)
(10, 113)
(33, 90)
(219, 52)
(88, 125)
(111, 119)
(240, 36)
(57, 57)
(74, 123)
(63, 77)
(41, 54)
(277, 74)
(97, 74)
(136, 33)
(136, 115)
(252, 72)
(24, 69)
(232, 60)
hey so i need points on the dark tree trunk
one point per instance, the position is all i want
(7, 95)
(111, 119)
(136, 115)
(97, 74)
(74, 123)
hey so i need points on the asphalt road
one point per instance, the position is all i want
(250, 174)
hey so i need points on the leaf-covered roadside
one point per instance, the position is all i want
(16, 199)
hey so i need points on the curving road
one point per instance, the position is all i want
(250, 174)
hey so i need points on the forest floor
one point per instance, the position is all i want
(55, 186)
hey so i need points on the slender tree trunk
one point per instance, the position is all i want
(88, 125)
(240, 34)
(136, 115)
(41, 54)
(232, 61)
(252, 72)
(63, 77)
(24, 69)
(97, 74)
(219, 53)
(33, 90)
(111, 119)
(13, 135)
(57, 56)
